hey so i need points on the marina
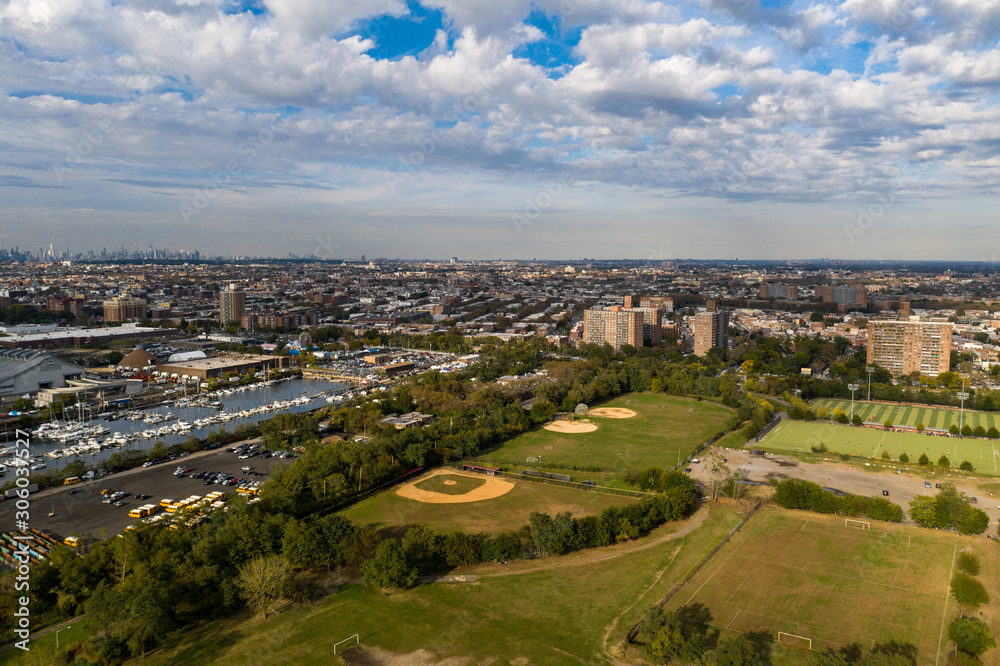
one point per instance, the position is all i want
(93, 439)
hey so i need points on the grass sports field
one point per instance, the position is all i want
(934, 418)
(552, 617)
(800, 436)
(510, 511)
(664, 430)
(810, 575)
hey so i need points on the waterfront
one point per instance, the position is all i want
(244, 405)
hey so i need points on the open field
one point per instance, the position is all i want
(934, 418)
(664, 430)
(809, 575)
(507, 512)
(800, 436)
(560, 616)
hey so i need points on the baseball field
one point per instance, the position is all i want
(798, 437)
(813, 577)
(637, 430)
(474, 503)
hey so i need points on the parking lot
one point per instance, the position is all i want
(78, 509)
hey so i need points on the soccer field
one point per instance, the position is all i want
(934, 418)
(811, 576)
(800, 436)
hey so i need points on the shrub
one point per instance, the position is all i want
(923, 459)
(903, 458)
(980, 431)
(920, 427)
(885, 455)
(953, 429)
(967, 430)
(966, 466)
(843, 418)
(993, 433)
(943, 461)
(887, 424)
(857, 420)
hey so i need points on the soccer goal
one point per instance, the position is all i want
(791, 640)
(863, 524)
(356, 638)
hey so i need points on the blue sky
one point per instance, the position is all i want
(556, 128)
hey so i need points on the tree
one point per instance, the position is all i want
(857, 420)
(968, 591)
(719, 473)
(888, 424)
(971, 635)
(390, 567)
(943, 461)
(993, 433)
(736, 650)
(953, 429)
(968, 562)
(903, 458)
(920, 426)
(966, 466)
(966, 430)
(262, 581)
(979, 431)
(843, 418)
(923, 459)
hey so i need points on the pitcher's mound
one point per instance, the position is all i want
(612, 413)
(571, 426)
(449, 482)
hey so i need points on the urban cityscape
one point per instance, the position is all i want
(439, 333)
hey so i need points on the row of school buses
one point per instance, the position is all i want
(186, 512)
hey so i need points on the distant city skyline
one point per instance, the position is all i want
(854, 129)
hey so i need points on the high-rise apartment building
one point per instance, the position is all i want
(844, 296)
(614, 326)
(902, 347)
(711, 329)
(664, 303)
(783, 292)
(232, 304)
(124, 308)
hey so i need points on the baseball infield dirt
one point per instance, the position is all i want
(611, 413)
(493, 488)
(571, 426)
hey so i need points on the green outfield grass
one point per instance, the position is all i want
(391, 512)
(934, 418)
(557, 616)
(665, 429)
(810, 575)
(800, 436)
(460, 484)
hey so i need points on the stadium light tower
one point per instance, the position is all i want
(962, 395)
(870, 370)
(852, 388)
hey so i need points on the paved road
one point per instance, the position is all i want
(82, 512)
(848, 478)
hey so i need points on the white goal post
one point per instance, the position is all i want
(863, 524)
(355, 637)
(791, 640)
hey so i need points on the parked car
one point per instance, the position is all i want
(885, 492)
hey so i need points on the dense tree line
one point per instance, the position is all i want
(808, 496)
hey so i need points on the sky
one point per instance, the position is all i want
(557, 129)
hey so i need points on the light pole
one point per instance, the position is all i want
(852, 388)
(962, 395)
(57, 634)
(870, 370)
